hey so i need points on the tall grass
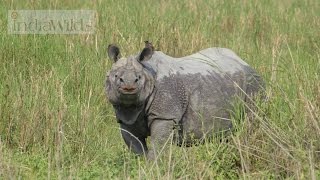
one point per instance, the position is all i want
(56, 123)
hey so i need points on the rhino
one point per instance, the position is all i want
(191, 97)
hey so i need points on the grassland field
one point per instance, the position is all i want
(55, 121)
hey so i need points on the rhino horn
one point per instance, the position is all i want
(147, 52)
(149, 45)
(114, 52)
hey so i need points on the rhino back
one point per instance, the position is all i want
(218, 60)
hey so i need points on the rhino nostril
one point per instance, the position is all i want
(136, 80)
(121, 80)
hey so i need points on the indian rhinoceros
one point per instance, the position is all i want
(153, 94)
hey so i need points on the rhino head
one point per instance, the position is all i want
(129, 83)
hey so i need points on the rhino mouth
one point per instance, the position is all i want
(128, 90)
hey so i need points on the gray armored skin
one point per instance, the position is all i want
(153, 94)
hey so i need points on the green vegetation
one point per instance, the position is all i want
(55, 121)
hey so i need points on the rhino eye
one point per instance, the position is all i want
(115, 76)
(139, 77)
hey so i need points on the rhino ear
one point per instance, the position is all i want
(114, 52)
(147, 52)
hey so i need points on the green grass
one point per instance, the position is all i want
(55, 121)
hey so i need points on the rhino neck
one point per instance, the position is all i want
(133, 113)
(129, 114)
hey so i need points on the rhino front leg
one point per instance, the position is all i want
(136, 144)
(161, 131)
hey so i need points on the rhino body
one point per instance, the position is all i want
(193, 94)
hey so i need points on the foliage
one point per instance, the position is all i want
(56, 123)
